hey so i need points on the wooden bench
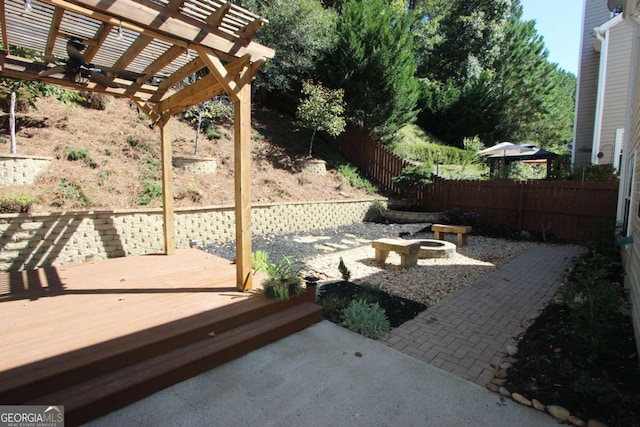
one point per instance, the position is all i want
(461, 230)
(407, 249)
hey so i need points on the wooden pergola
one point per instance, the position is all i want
(146, 50)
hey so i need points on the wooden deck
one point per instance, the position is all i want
(64, 326)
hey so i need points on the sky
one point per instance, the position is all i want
(560, 23)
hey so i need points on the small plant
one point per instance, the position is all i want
(367, 319)
(71, 191)
(351, 175)
(333, 306)
(457, 216)
(16, 204)
(592, 298)
(75, 154)
(213, 132)
(150, 191)
(283, 277)
(344, 271)
(132, 141)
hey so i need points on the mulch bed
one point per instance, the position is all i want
(398, 309)
(552, 368)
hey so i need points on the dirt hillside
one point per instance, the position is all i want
(118, 160)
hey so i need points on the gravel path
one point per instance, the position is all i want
(428, 282)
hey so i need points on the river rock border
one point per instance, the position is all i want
(497, 385)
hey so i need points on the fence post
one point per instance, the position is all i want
(521, 204)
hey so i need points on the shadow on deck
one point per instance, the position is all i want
(96, 337)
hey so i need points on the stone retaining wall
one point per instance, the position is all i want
(196, 165)
(21, 170)
(34, 240)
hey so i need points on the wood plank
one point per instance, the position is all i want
(167, 187)
(242, 171)
(167, 24)
(3, 22)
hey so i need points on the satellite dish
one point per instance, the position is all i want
(614, 5)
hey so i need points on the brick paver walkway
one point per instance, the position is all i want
(467, 332)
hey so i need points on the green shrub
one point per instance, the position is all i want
(213, 132)
(16, 204)
(414, 175)
(344, 271)
(367, 319)
(457, 216)
(595, 173)
(352, 176)
(71, 191)
(75, 154)
(333, 306)
(151, 191)
(593, 296)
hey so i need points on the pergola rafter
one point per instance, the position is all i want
(143, 50)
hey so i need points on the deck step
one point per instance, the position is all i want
(28, 381)
(100, 395)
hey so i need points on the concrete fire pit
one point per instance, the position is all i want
(436, 249)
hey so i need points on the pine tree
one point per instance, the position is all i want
(374, 63)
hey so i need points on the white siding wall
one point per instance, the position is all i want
(596, 13)
(616, 88)
(631, 253)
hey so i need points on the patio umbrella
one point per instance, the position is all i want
(504, 149)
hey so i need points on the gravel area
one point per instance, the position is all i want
(428, 282)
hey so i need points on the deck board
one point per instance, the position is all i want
(58, 310)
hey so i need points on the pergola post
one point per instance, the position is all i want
(242, 164)
(167, 187)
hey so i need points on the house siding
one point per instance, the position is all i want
(616, 89)
(595, 14)
(631, 253)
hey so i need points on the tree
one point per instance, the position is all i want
(374, 62)
(322, 109)
(300, 31)
(472, 31)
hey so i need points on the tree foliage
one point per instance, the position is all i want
(490, 76)
(300, 31)
(374, 62)
(321, 109)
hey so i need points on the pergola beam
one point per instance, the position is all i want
(146, 67)
(167, 23)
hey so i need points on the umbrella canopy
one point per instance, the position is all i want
(504, 149)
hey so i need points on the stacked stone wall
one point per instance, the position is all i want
(30, 241)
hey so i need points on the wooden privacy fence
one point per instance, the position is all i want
(564, 209)
(375, 161)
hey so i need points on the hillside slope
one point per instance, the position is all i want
(119, 160)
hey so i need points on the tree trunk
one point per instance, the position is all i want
(195, 150)
(12, 121)
(311, 143)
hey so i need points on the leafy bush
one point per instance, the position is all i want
(595, 173)
(150, 191)
(352, 176)
(367, 319)
(593, 296)
(283, 276)
(414, 175)
(75, 154)
(457, 216)
(16, 204)
(71, 191)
